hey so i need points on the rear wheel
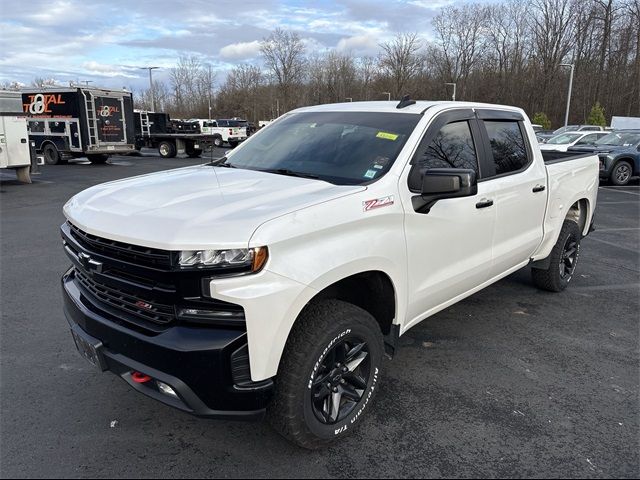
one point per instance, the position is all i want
(98, 158)
(167, 149)
(562, 262)
(329, 374)
(51, 154)
(193, 152)
(621, 173)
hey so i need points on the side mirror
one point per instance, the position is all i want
(442, 183)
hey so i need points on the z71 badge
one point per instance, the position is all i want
(377, 203)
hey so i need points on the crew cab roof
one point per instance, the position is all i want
(417, 108)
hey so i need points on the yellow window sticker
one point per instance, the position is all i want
(387, 135)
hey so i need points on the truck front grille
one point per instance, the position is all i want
(152, 257)
(125, 302)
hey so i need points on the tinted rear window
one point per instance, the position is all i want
(508, 146)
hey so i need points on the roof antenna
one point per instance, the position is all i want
(405, 102)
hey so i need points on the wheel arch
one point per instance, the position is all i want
(580, 212)
(630, 161)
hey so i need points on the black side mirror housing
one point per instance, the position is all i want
(442, 183)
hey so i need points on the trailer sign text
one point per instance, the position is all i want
(39, 103)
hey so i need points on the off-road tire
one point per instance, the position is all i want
(320, 326)
(621, 173)
(551, 278)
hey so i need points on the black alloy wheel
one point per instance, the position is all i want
(569, 258)
(341, 381)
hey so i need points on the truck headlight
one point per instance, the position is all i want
(252, 259)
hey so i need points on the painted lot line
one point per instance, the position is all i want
(612, 189)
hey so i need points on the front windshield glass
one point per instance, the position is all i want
(345, 148)
(568, 128)
(564, 138)
(620, 139)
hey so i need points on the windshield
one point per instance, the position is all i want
(568, 128)
(620, 139)
(564, 138)
(345, 148)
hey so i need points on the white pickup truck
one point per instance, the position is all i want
(223, 131)
(274, 280)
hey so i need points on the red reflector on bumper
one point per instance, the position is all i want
(140, 377)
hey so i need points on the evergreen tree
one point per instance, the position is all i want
(596, 117)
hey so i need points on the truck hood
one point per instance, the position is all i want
(195, 207)
(603, 148)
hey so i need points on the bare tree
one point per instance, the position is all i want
(283, 53)
(460, 42)
(400, 61)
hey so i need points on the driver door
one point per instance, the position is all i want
(450, 247)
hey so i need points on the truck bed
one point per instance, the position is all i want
(557, 157)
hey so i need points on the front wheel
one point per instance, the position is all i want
(621, 173)
(562, 262)
(329, 374)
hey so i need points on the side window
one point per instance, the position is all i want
(508, 146)
(587, 139)
(452, 147)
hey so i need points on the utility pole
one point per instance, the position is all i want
(153, 100)
(566, 116)
(210, 81)
(453, 97)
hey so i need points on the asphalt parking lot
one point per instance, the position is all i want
(512, 382)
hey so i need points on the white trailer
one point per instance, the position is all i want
(14, 136)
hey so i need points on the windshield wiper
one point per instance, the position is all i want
(221, 162)
(291, 173)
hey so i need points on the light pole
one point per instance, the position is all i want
(566, 116)
(453, 97)
(153, 101)
(387, 93)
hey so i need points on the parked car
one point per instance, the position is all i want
(569, 128)
(276, 279)
(560, 143)
(619, 154)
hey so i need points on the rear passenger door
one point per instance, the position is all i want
(518, 182)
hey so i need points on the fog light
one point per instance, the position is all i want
(166, 389)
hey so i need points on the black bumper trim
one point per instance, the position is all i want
(194, 362)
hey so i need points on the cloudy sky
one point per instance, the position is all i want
(104, 41)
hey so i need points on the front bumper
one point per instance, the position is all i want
(194, 361)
